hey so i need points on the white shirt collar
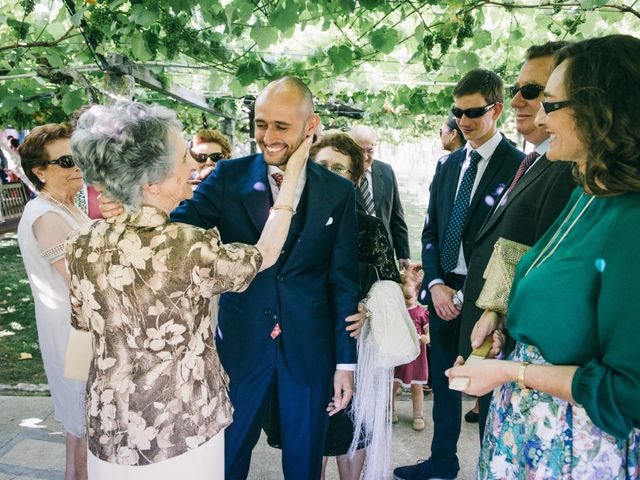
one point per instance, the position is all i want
(542, 147)
(488, 147)
(274, 187)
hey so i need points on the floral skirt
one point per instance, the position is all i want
(533, 435)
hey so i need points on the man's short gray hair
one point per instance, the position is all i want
(125, 146)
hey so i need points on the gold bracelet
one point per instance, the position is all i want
(523, 368)
(288, 208)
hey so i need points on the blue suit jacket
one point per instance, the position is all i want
(502, 166)
(309, 291)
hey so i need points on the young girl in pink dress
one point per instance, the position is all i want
(415, 373)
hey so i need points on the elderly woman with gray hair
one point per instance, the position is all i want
(157, 401)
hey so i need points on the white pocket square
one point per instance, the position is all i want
(329, 222)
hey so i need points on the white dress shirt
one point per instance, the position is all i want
(275, 190)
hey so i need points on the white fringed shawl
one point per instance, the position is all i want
(388, 339)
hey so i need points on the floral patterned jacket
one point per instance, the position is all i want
(142, 286)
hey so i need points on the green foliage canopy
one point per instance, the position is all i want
(396, 60)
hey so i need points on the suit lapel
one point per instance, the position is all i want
(256, 195)
(534, 172)
(318, 214)
(490, 172)
(378, 186)
(452, 178)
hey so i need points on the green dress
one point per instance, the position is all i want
(576, 306)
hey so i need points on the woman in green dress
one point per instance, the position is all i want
(566, 401)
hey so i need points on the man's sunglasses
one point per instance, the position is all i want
(472, 112)
(203, 157)
(65, 161)
(530, 91)
(549, 107)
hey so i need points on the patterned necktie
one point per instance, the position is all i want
(524, 166)
(278, 177)
(451, 245)
(365, 191)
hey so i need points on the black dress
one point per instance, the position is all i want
(376, 262)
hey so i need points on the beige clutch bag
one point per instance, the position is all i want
(499, 275)
(79, 355)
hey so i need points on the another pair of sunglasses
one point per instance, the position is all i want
(472, 112)
(203, 157)
(530, 91)
(65, 161)
(549, 107)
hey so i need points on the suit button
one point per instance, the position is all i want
(275, 317)
(279, 277)
(268, 311)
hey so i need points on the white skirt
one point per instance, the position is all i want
(204, 463)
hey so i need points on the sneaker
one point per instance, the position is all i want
(423, 470)
(418, 424)
(472, 417)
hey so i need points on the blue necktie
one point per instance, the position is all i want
(451, 246)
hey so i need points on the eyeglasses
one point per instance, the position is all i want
(549, 107)
(203, 157)
(335, 168)
(472, 112)
(530, 91)
(65, 161)
(444, 131)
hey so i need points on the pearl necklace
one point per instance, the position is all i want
(78, 215)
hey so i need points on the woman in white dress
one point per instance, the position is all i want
(45, 224)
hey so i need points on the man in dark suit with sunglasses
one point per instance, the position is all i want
(464, 188)
(537, 195)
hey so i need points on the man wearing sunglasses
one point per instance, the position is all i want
(464, 189)
(538, 193)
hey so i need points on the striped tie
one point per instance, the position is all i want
(524, 166)
(365, 191)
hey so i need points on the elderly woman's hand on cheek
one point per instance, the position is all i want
(484, 376)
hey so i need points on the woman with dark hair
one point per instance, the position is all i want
(44, 226)
(340, 154)
(451, 136)
(566, 405)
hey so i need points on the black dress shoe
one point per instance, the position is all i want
(424, 470)
(471, 417)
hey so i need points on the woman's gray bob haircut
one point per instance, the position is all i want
(125, 146)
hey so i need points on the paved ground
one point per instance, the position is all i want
(32, 444)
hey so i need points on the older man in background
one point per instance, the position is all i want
(377, 194)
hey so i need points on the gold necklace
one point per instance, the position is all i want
(78, 216)
(537, 262)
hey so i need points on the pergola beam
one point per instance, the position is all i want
(146, 78)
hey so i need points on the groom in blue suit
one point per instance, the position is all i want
(286, 332)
